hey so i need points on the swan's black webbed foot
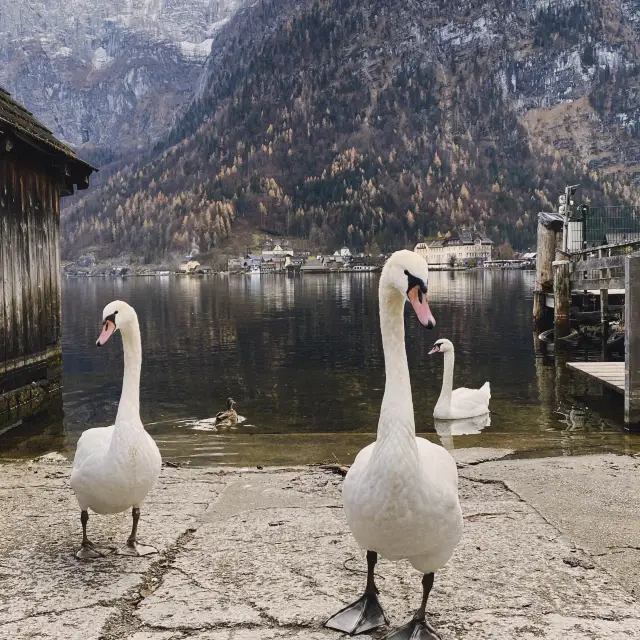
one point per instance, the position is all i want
(135, 549)
(414, 630)
(418, 628)
(365, 614)
(89, 551)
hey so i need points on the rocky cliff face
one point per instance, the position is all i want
(107, 76)
(379, 122)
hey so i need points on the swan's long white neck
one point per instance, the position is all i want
(447, 378)
(129, 407)
(396, 413)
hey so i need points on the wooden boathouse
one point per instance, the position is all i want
(36, 169)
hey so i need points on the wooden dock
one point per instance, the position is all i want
(623, 377)
(609, 374)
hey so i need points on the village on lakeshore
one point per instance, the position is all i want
(451, 251)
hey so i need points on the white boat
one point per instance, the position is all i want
(363, 267)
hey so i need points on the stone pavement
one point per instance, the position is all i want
(550, 550)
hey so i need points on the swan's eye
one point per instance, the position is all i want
(111, 318)
(415, 282)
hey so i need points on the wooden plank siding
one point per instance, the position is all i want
(36, 169)
(604, 271)
(30, 282)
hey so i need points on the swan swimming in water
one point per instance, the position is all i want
(401, 493)
(115, 467)
(459, 403)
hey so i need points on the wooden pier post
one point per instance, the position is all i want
(545, 255)
(632, 340)
(562, 299)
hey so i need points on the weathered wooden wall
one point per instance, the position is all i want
(30, 324)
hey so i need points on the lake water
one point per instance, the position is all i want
(303, 359)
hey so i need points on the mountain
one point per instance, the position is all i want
(107, 77)
(378, 123)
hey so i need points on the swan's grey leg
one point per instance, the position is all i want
(418, 628)
(372, 559)
(427, 585)
(365, 614)
(88, 551)
(133, 547)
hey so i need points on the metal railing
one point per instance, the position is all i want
(598, 226)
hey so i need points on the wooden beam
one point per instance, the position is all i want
(629, 243)
(562, 295)
(545, 254)
(593, 264)
(546, 250)
(559, 255)
(597, 284)
(632, 341)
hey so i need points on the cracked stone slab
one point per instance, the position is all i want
(41, 530)
(76, 624)
(263, 555)
(594, 500)
(287, 567)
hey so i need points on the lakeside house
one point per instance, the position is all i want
(235, 264)
(315, 265)
(459, 247)
(277, 249)
(344, 253)
(252, 263)
(188, 265)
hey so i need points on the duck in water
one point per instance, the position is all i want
(228, 417)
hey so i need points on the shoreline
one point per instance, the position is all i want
(549, 550)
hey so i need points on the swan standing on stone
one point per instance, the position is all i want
(115, 467)
(459, 403)
(401, 493)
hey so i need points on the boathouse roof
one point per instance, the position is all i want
(21, 124)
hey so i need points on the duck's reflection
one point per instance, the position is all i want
(448, 429)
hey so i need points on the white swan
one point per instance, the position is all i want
(459, 403)
(401, 494)
(115, 467)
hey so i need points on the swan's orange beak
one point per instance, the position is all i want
(420, 305)
(107, 331)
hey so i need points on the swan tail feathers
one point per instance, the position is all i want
(365, 614)
(486, 387)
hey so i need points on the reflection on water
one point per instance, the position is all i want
(447, 429)
(303, 359)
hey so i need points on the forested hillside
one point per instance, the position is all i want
(380, 123)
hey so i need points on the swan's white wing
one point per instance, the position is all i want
(465, 400)
(440, 466)
(90, 442)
